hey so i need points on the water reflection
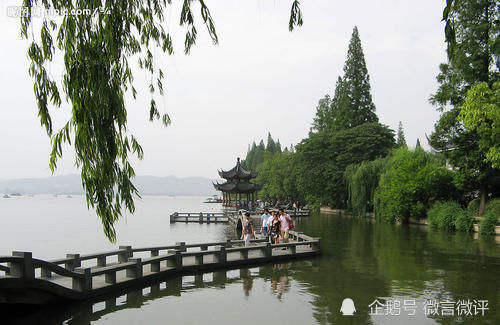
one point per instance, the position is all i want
(362, 261)
(280, 283)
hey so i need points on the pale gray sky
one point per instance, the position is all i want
(260, 78)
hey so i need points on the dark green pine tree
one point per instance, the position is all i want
(271, 145)
(324, 115)
(278, 146)
(401, 140)
(249, 160)
(259, 156)
(352, 104)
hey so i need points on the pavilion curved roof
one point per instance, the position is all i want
(237, 172)
(237, 187)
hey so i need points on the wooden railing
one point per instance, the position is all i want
(201, 217)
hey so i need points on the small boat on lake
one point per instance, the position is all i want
(213, 199)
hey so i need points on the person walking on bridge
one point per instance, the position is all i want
(248, 230)
(265, 218)
(285, 221)
(274, 228)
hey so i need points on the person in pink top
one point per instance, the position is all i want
(285, 221)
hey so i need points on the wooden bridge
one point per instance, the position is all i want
(201, 217)
(34, 281)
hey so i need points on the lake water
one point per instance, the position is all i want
(393, 274)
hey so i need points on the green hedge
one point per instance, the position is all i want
(473, 207)
(449, 215)
(493, 206)
(490, 218)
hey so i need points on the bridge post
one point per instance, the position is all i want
(293, 249)
(82, 283)
(178, 259)
(203, 247)
(45, 273)
(110, 277)
(229, 244)
(124, 255)
(155, 266)
(198, 259)
(317, 246)
(201, 217)
(244, 254)
(268, 251)
(219, 278)
(101, 261)
(175, 261)
(222, 255)
(74, 263)
(23, 269)
(134, 271)
(181, 246)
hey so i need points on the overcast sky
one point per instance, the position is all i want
(260, 78)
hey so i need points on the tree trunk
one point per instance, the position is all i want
(482, 203)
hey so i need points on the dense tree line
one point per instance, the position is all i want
(351, 161)
(345, 131)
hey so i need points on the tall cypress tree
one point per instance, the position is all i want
(271, 146)
(400, 140)
(352, 103)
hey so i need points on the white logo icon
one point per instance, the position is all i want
(347, 308)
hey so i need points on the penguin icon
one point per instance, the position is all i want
(347, 308)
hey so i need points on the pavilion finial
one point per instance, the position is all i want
(238, 160)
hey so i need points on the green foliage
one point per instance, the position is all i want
(400, 139)
(362, 180)
(489, 222)
(493, 206)
(323, 157)
(464, 222)
(352, 103)
(257, 154)
(451, 216)
(277, 174)
(324, 115)
(96, 49)
(417, 145)
(473, 34)
(473, 207)
(481, 113)
(271, 145)
(412, 181)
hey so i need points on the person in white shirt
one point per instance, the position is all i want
(265, 218)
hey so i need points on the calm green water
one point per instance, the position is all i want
(361, 260)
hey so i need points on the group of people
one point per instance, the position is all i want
(275, 226)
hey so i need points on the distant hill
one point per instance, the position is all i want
(147, 185)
